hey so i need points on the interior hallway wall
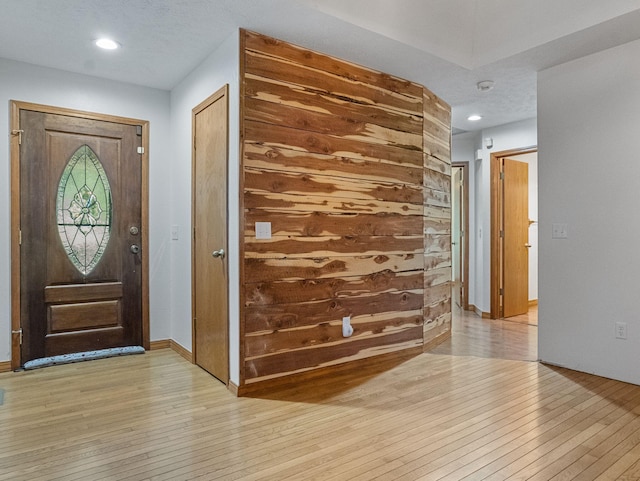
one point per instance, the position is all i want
(29, 83)
(589, 177)
(219, 68)
(465, 148)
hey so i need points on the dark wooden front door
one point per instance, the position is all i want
(81, 240)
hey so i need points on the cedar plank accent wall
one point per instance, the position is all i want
(351, 167)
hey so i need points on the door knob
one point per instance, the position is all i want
(219, 253)
(134, 248)
(527, 245)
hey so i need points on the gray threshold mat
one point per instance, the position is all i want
(82, 356)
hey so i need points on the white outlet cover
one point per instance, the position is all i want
(263, 230)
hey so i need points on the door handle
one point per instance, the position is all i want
(527, 245)
(134, 248)
(219, 254)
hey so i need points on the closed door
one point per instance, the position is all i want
(210, 282)
(456, 235)
(80, 223)
(516, 238)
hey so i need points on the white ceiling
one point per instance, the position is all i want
(446, 45)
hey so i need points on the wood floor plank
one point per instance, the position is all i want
(474, 408)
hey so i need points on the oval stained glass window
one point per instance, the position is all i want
(83, 209)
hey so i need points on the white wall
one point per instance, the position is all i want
(463, 150)
(589, 168)
(505, 137)
(28, 83)
(220, 68)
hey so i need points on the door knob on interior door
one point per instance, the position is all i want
(219, 253)
(527, 245)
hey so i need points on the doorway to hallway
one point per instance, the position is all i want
(514, 234)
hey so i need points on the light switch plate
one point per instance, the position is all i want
(263, 230)
(559, 231)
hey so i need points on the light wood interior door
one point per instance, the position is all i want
(515, 268)
(210, 281)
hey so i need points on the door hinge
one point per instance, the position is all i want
(501, 175)
(501, 234)
(141, 150)
(501, 291)
(18, 333)
(19, 133)
(19, 237)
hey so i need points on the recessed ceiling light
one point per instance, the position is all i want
(107, 44)
(474, 117)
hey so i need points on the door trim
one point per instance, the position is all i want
(465, 238)
(15, 107)
(496, 255)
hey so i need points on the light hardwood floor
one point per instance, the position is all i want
(435, 416)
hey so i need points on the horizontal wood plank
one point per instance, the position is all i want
(317, 143)
(437, 294)
(437, 276)
(437, 181)
(266, 270)
(263, 343)
(341, 68)
(287, 316)
(284, 292)
(325, 224)
(312, 203)
(270, 158)
(330, 187)
(311, 78)
(285, 93)
(315, 357)
(278, 247)
(329, 124)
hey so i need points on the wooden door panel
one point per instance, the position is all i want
(516, 238)
(210, 283)
(64, 308)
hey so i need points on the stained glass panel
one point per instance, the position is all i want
(83, 209)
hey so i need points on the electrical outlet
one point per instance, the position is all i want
(347, 328)
(621, 330)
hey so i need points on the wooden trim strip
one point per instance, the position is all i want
(15, 235)
(242, 275)
(436, 341)
(161, 344)
(5, 366)
(382, 362)
(183, 351)
(533, 302)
